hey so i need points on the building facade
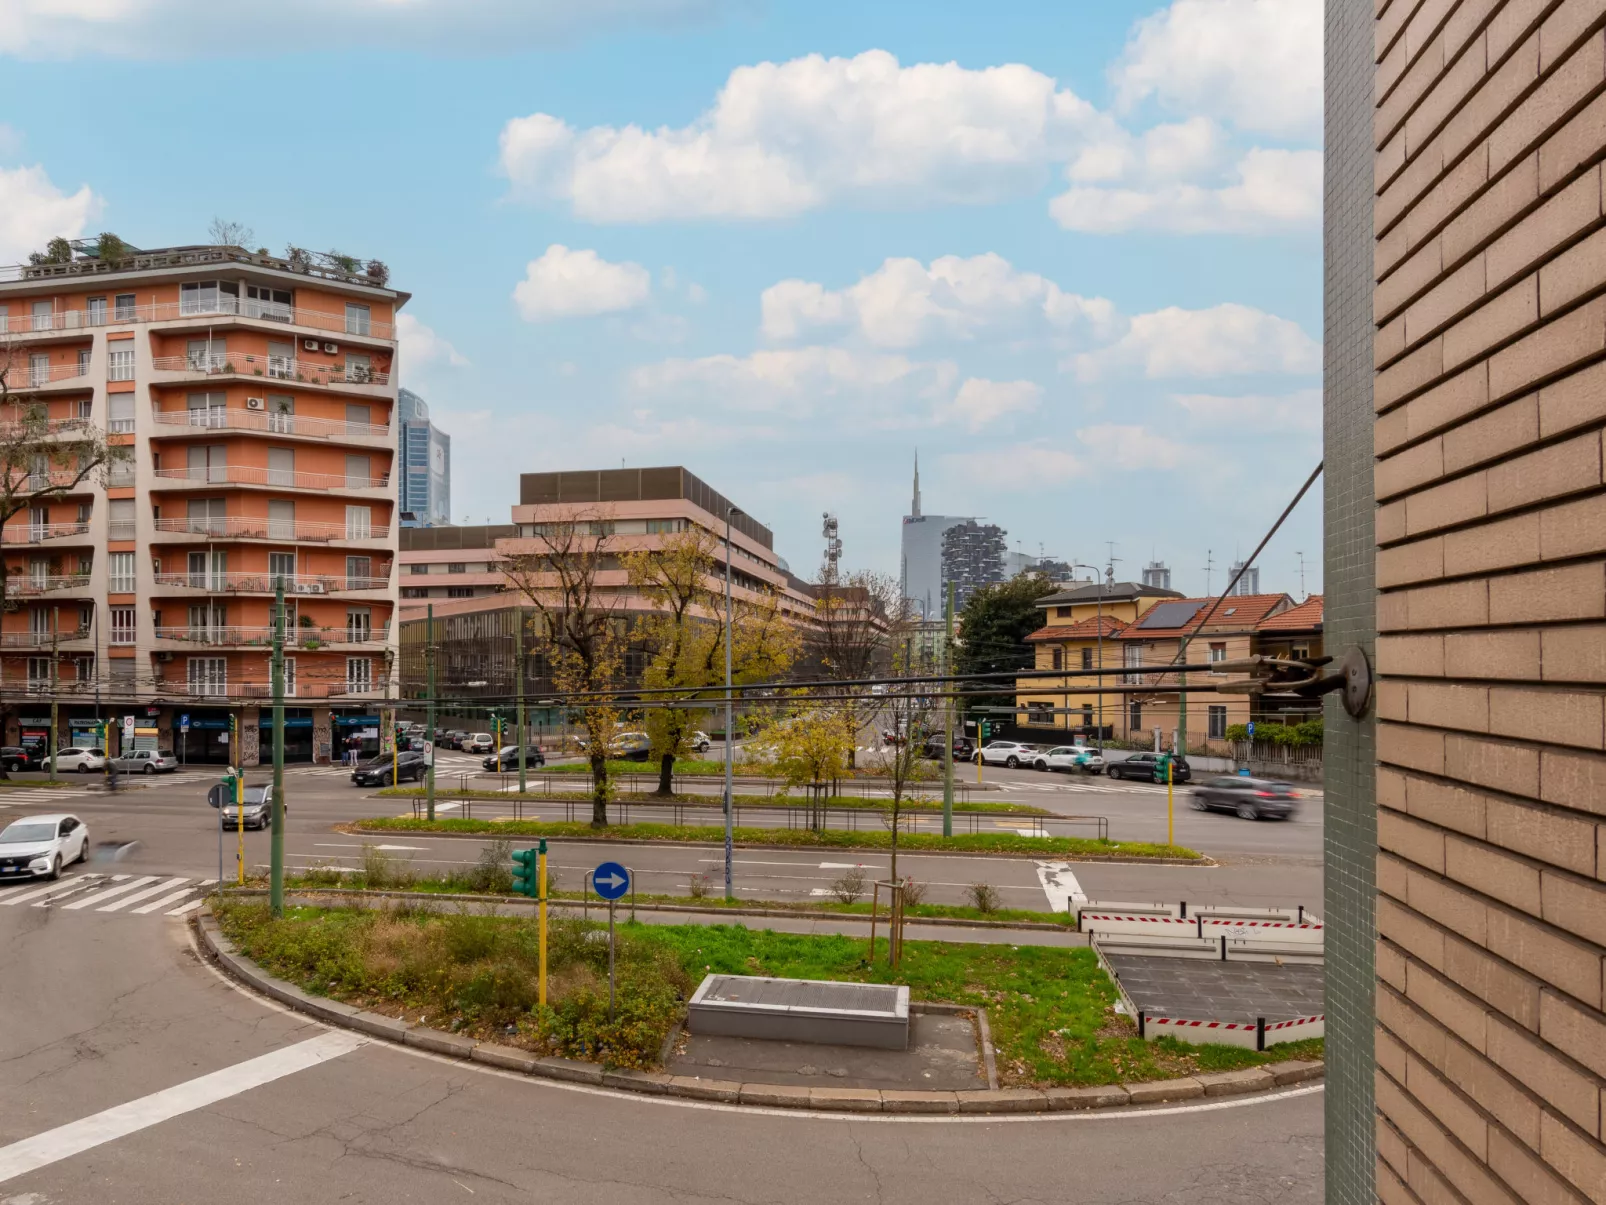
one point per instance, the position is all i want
(252, 400)
(1465, 405)
(424, 484)
(972, 557)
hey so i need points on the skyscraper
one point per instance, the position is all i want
(1249, 583)
(425, 482)
(972, 556)
(1157, 573)
(922, 555)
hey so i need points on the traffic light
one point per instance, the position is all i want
(525, 875)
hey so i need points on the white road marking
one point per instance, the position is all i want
(76, 886)
(173, 898)
(118, 905)
(100, 897)
(1060, 886)
(824, 865)
(23, 897)
(75, 1137)
(183, 908)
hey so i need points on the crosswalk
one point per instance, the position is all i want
(175, 895)
(33, 796)
(1092, 788)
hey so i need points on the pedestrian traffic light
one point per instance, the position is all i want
(526, 880)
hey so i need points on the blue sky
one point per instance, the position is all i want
(1069, 251)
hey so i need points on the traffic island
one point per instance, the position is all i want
(460, 986)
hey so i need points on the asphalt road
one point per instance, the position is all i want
(218, 1096)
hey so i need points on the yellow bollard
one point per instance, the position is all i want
(1170, 826)
(541, 888)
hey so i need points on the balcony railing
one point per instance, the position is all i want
(302, 638)
(218, 418)
(37, 376)
(252, 527)
(35, 533)
(21, 585)
(266, 583)
(273, 368)
(38, 427)
(300, 689)
(250, 474)
(41, 640)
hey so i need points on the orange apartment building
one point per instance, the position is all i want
(255, 396)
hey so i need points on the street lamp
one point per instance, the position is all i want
(1100, 680)
(730, 513)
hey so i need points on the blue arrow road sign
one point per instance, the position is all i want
(611, 880)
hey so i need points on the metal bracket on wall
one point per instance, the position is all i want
(1284, 677)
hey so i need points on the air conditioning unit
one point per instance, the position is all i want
(310, 344)
(308, 587)
(332, 348)
(255, 403)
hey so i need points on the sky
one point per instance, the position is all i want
(1068, 252)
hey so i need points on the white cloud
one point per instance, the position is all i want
(1224, 340)
(803, 383)
(1297, 411)
(1115, 445)
(785, 138)
(177, 28)
(422, 348)
(570, 284)
(904, 303)
(1256, 63)
(1085, 452)
(1265, 191)
(980, 402)
(10, 140)
(33, 211)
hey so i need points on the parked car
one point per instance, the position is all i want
(699, 742)
(478, 742)
(83, 758)
(383, 771)
(1251, 798)
(1143, 766)
(1071, 757)
(964, 748)
(42, 845)
(146, 761)
(15, 757)
(1008, 753)
(508, 758)
(255, 809)
(452, 738)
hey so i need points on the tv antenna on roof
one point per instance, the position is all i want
(1301, 557)
(1210, 564)
(833, 545)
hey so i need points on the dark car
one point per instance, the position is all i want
(15, 757)
(379, 771)
(1251, 798)
(1142, 765)
(964, 748)
(451, 739)
(253, 810)
(508, 759)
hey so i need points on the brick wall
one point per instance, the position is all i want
(1489, 129)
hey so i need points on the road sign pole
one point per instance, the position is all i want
(1170, 823)
(541, 909)
(429, 734)
(948, 720)
(236, 752)
(610, 962)
(518, 687)
(276, 808)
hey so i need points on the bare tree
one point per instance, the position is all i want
(583, 629)
(898, 754)
(857, 619)
(225, 233)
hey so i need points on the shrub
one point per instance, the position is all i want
(493, 874)
(697, 886)
(380, 870)
(983, 897)
(849, 886)
(914, 894)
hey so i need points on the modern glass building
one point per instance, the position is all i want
(425, 482)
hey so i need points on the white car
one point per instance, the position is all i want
(146, 761)
(1071, 757)
(83, 758)
(478, 742)
(37, 846)
(1009, 753)
(699, 741)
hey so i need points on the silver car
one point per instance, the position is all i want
(145, 761)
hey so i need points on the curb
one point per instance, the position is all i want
(526, 902)
(353, 828)
(658, 1083)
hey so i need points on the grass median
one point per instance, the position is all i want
(1051, 1010)
(848, 802)
(1012, 844)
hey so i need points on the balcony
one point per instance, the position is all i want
(44, 376)
(39, 427)
(208, 476)
(255, 527)
(65, 481)
(39, 533)
(303, 639)
(268, 368)
(375, 688)
(44, 640)
(295, 585)
(271, 423)
(21, 585)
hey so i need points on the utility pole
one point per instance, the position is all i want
(55, 657)
(429, 656)
(518, 679)
(276, 840)
(948, 718)
(730, 736)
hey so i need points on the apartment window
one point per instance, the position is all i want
(124, 308)
(120, 363)
(1299, 654)
(359, 522)
(358, 319)
(281, 466)
(1040, 713)
(206, 355)
(38, 522)
(457, 567)
(120, 567)
(209, 297)
(359, 674)
(1218, 722)
(207, 462)
(95, 311)
(359, 415)
(1059, 659)
(1134, 719)
(282, 567)
(206, 409)
(84, 355)
(459, 591)
(120, 519)
(208, 570)
(1132, 656)
(1218, 652)
(208, 675)
(360, 573)
(38, 673)
(38, 369)
(122, 624)
(83, 408)
(43, 315)
(1087, 658)
(663, 527)
(84, 668)
(359, 368)
(357, 470)
(281, 413)
(289, 677)
(205, 515)
(1087, 716)
(415, 592)
(281, 520)
(120, 413)
(418, 569)
(273, 304)
(359, 624)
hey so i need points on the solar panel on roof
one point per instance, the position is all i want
(1170, 614)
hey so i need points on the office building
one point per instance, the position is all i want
(972, 556)
(922, 556)
(252, 397)
(1249, 583)
(424, 485)
(1158, 575)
